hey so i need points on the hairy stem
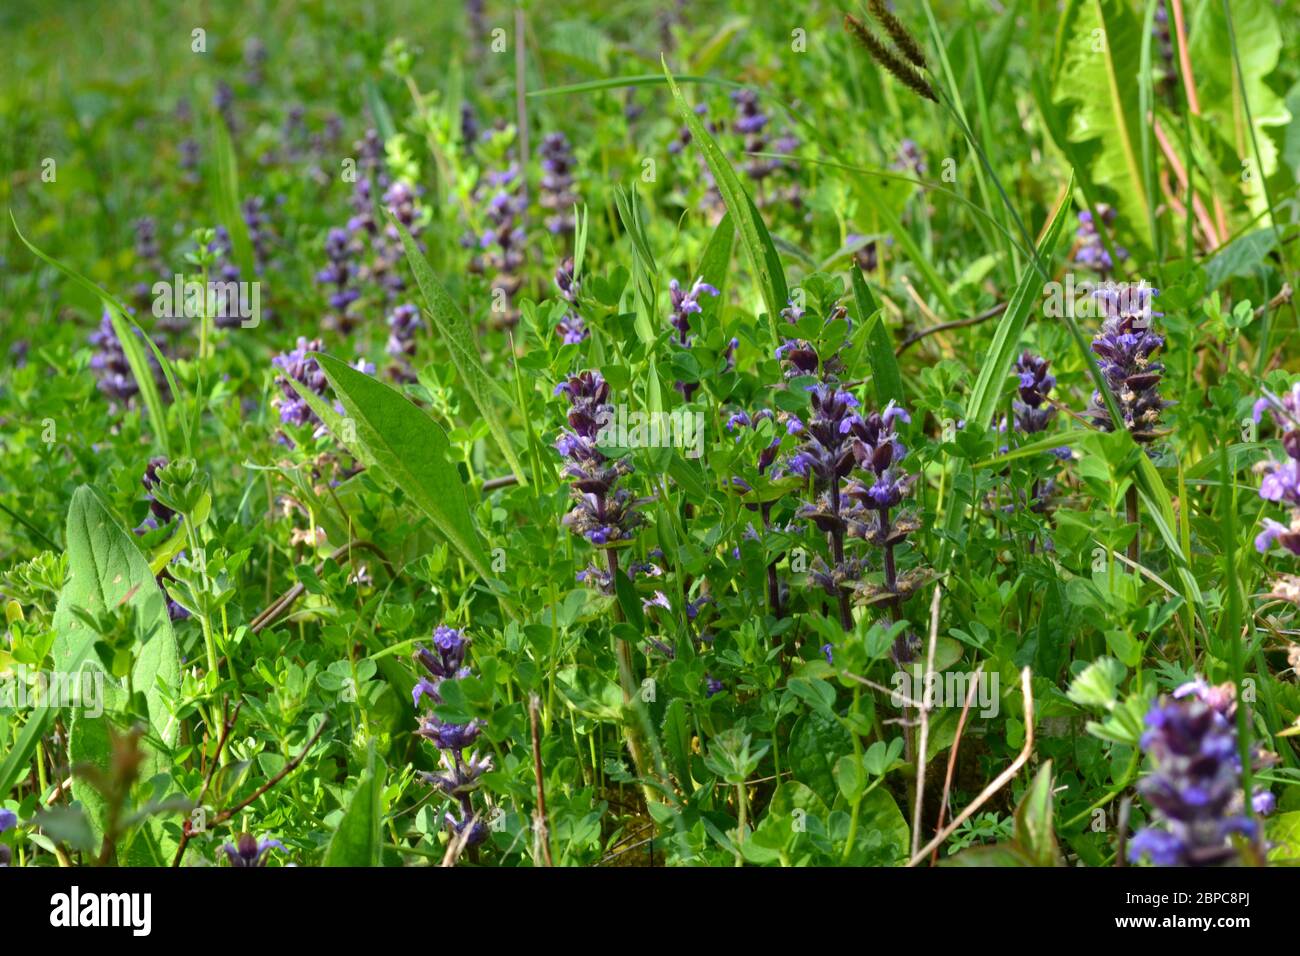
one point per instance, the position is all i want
(627, 681)
(773, 584)
(837, 552)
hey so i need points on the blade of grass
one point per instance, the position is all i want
(984, 397)
(753, 234)
(226, 198)
(126, 331)
(642, 79)
(460, 340)
(886, 379)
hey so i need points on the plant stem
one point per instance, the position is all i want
(628, 682)
(1033, 497)
(1131, 511)
(895, 613)
(40, 768)
(837, 551)
(743, 803)
(857, 801)
(213, 677)
(773, 584)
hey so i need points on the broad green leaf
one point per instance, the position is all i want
(816, 742)
(1222, 97)
(454, 328)
(947, 652)
(754, 239)
(629, 601)
(997, 855)
(1241, 257)
(1283, 832)
(816, 693)
(590, 693)
(676, 733)
(357, 841)
(411, 450)
(1099, 48)
(1098, 685)
(105, 570)
(69, 826)
(89, 743)
(795, 822)
(332, 420)
(883, 835)
(850, 776)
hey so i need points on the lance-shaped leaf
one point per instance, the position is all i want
(1035, 832)
(357, 840)
(715, 267)
(226, 199)
(411, 450)
(886, 379)
(455, 330)
(130, 336)
(1039, 446)
(754, 237)
(105, 571)
(986, 394)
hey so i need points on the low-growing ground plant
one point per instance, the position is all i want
(654, 435)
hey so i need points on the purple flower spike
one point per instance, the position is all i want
(1195, 784)
(478, 832)
(404, 325)
(424, 688)
(111, 368)
(1125, 346)
(1091, 250)
(500, 194)
(1032, 412)
(460, 775)
(558, 196)
(602, 512)
(298, 365)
